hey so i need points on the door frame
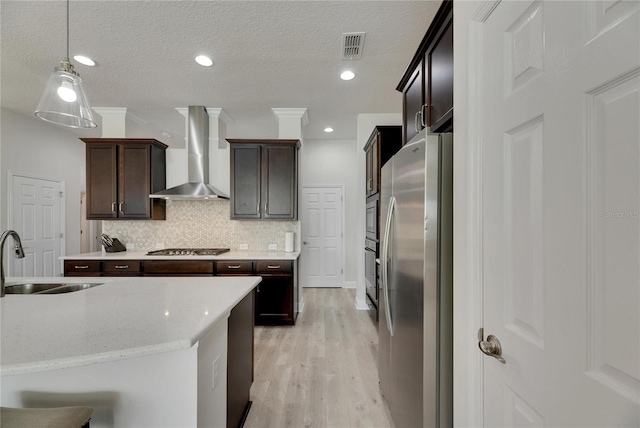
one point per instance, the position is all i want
(468, 279)
(342, 238)
(10, 221)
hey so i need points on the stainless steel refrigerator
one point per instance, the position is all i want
(416, 311)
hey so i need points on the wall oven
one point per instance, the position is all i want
(370, 271)
(372, 220)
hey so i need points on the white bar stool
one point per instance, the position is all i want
(58, 417)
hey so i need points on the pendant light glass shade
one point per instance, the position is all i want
(64, 101)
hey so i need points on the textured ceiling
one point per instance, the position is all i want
(266, 54)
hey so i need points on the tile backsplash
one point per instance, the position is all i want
(200, 224)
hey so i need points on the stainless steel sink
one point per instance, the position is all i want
(41, 288)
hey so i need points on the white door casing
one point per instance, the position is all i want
(322, 254)
(555, 107)
(37, 213)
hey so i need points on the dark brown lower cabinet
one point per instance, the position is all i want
(178, 268)
(121, 268)
(240, 361)
(274, 295)
(82, 268)
(274, 304)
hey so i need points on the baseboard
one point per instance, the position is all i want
(362, 305)
(350, 284)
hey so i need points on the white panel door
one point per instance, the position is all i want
(321, 260)
(559, 112)
(36, 214)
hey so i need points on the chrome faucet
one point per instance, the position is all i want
(19, 253)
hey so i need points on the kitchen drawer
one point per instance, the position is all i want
(82, 268)
(178, 267)
(121, 267)
(234, 267)
(274, 267)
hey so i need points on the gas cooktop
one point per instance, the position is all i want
(188, 252)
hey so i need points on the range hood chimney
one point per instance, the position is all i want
(198, 162)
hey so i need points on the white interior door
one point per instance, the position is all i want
(321, 259)
(559, 112)
(36, 214)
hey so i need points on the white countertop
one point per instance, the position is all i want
(142, 255)
(123, 318)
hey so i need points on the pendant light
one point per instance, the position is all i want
(64, 101)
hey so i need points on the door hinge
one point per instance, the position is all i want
(61, 194)
(341, 270)
(62, 235)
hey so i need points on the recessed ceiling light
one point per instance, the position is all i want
(347, 75)
(84, 60)
(204, 60)
(328, 129)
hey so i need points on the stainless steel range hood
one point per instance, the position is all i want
(198, 162)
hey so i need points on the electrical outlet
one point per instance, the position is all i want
(216, 372)
(243, 246)
(273, 247)
(130, 246)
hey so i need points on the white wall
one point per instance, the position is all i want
(336, 162)
(34, 147)
(366, 123)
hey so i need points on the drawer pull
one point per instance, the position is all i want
(122, 266)
(81, 267)
(273, 267)
(233, 266)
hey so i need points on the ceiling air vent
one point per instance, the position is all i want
(352, 45)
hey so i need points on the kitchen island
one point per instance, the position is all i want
(141, 351)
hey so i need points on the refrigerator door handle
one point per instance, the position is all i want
(385, 262)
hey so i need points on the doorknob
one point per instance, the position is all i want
(491, 346)
(304, 242)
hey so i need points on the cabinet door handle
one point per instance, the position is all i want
(415, 121)
(258, 207)
(265, 208)
(423, 113)
(81, 267)
(122, 266)
(233, 266)
(273, 267)
(258, 288)
(120, 207)
(113, 207)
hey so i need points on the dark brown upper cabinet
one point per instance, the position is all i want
(121, 173)
(427, 84)
(440, 101)
(383, 143)
(264, 179)
(412, 102)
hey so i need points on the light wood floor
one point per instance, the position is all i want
(322, 372)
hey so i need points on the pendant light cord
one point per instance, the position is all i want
(67, 29)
